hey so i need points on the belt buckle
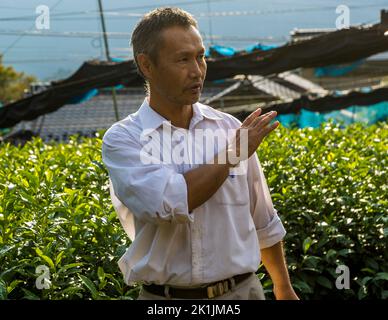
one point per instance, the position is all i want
(217, 289)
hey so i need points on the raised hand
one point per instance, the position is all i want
(249, 136)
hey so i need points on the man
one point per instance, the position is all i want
(201, 228)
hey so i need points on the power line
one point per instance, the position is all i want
(127, 35)
(64, 34)
(274, 11)
(185, 3)
(118, 14)
(15, 8)
(116, 10)
(23, 61)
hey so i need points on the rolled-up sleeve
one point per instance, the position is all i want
(154, 193)
(268, 225)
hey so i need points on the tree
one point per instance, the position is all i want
(12, 83)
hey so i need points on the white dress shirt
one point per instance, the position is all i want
(170, 245)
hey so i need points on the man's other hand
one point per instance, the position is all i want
(257, 128)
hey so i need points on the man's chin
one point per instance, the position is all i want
(188, 99)
(194, 98)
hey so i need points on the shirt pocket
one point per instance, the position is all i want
(234, 191)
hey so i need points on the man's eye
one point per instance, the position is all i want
(183, 59)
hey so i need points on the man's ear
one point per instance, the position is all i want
(145, 65)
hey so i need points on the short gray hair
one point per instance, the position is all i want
(146, 35)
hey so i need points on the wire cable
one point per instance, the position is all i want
(117, 12)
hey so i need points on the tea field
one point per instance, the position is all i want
(329, 186)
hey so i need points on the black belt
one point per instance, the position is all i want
(212, 290)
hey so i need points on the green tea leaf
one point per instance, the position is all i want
(3, 290)
(45, 258)
(101, 274)
(323, 281)
(90, 285)
(381, 276)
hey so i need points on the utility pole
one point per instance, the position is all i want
(108, 56)
(210, 22)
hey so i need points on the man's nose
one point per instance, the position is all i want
(197, 70)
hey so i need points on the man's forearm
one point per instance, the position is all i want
(275, 263)
(204, 181)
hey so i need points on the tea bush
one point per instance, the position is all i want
(329, 186)
(55, 211)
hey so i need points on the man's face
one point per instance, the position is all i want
(180, 70)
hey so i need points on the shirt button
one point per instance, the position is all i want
(166, 207)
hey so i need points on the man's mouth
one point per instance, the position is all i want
(197, 87)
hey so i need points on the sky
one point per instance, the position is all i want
(53, 55)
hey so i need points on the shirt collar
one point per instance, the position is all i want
(150, 119)
(204, 111)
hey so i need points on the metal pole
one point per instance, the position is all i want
(210, 23)
(108, 56)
